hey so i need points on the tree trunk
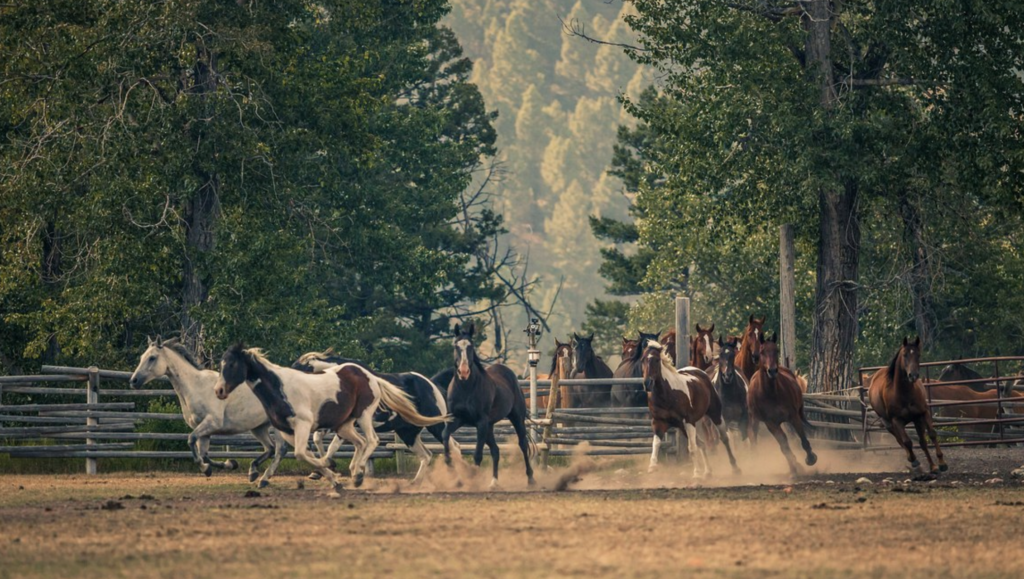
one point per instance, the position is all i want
(51, 270)
(921, 271)
(835, 311)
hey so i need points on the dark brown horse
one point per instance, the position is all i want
(731, 386)
(748, 357)
(480, 397)
(631, 395)
(774, 398)
(587, 364)
(899, 398)
(681, 400)
(702, 350)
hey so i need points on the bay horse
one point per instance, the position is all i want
(631, 395)
(898, 398)
(731, 386)
(749, 354)
(681, 399)
(702, 348)
(204, 413)
(480, 397)
(957, 372)
(425, 395)
(774, 397)
(298, 404)
(587, 364)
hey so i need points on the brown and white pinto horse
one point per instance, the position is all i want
(774, 397)
(298, 404)
(749, 355)
(899, 398)
(702, 349)
(681, 399)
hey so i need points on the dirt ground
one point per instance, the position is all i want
(614, 519)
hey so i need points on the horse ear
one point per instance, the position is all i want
(720, 343)
(149, 341)
(575, 337)
(763, 318)
(457, 328)
(711, 330)
(751, 319)
(591, 336)
(917, 341)
(698, 328)
(905, 341)
(159, 341)
(775, 337)
(471, 330)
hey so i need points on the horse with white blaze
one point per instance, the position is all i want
(298, 403)
(203, 411)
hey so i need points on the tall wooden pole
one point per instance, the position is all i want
(682, 332)
(787, 295)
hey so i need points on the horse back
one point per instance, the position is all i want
(508, 397)
(353, 397)
(703, 398)
(783, 400)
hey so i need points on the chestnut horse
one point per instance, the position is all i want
(986, 409)
(899, 398)
(681, 399)
(702, 352)
(774, 398)
(561, 364)
(748, 357)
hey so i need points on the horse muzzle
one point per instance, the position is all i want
(221, 391)
(913, 377)
(463, 372)
(772, 372)
(133, 382)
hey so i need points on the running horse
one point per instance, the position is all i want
(731, 386)
(480, 397)
(749, 354)
(681, 399)
(587, 364)
(204, 413)
(702, 348)
(428, 398)
(898, 398)
(298, 404)
(774, 397)
(631, 395)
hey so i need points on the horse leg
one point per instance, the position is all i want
(700, 460)
(660, 428)
(798, 427)
(492, 445)
(754, 426)
(420, 450)
(302, 429)
(449, 430)
(780, 436)
(943, 467)
(922, 433)
(262, 434)
(279, 451)
(524, 445)
(723, 433)
(372, 441)
(202, 434)
(318, 443)
(898, 428)
(481, 437)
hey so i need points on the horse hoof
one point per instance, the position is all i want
(531, 482)
(736, 471)
(494, 483)
(230, 464)
(315, 476)
(915, 465)
(943, 467)
(811, 459)
(263, 484)
(358, 480)
(207, 470)
(253, 475)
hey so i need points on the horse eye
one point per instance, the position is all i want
(152, 358)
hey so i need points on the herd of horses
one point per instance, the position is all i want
(735, 383)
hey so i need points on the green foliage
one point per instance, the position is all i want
(335, 141)
(607, 320)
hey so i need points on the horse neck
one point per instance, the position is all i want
(590, 368)
(189, 383)
(268, 372)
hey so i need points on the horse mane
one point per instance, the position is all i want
(258, 355)
(310, 356)
(891, 371)
(666, 361)
(182, 351)
(554, 360)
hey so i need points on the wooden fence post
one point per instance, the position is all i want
(787, 295)
(554, 396)
(682, 332)
(92, 397)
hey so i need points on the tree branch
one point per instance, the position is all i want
(576, 28)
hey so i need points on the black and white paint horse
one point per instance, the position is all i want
(297, 404)
(479, 397)
(204, 413)
(425, 395)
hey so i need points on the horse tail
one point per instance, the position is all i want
(399, 401)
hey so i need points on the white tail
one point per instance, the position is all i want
(399, 401)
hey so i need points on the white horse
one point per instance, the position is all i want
(298, 404)
(204, 412)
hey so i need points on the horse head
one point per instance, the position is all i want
(582, 351)
(702, 349)
(151, 365)
(770, 355)
(629, 348)
(650, 363)
(754, 336)
(644, 340)
(727, 357)
(236, 366)
(561, 362)
(465, 352)
(910, 353)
